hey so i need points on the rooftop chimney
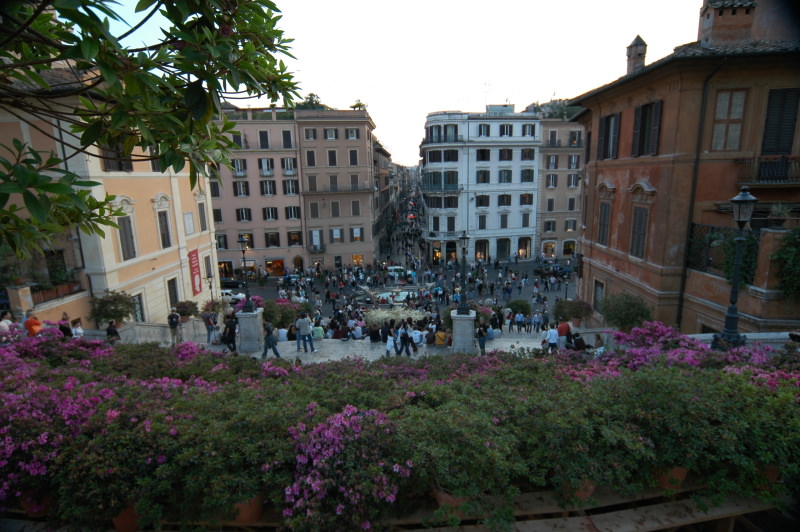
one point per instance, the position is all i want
(636, 52)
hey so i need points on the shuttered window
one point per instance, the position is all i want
(603, 226)
(646, 124)
(608, 141)
(781, 120)
(639, 232)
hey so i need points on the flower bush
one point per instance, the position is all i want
(186, 434)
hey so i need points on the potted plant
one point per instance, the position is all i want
(778, 214)
(624, 311)
(187, 309)
(577, 309)
(112, 305)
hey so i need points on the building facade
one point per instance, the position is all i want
(479, 175)
(670, 143)
(302, 192)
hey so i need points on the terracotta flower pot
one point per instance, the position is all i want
(585, 490)
(127, 520)
(671, 478)
(249, 511)
(444, 499)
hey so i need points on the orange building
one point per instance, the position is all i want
(670, 143)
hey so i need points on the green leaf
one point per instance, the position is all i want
(90, 48)
(92, 133)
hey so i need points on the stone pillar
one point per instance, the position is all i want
(766, 276)
(463, 332)
(251, 333)
(20, 300)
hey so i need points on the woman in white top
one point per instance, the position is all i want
(5, 326)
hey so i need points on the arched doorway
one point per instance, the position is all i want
(482, 250)
(524, 247)
(297, 262)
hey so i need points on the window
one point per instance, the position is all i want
(114, 161)
(506, 154)
(450, 132)
(639, 232)
(599, 294)
(291, 187)
(213, 188)
(574, 162)
(243, 215)
(434, 134)
(482, 201)
(483, 154)
(574, 138)
(503, 221)
(172, 291)
(269, 213)
(239, 167)
(334, 209)
(451, 202)
(293, 213)
(526, 219)
(249, 238)
(355, 208)
(356, 234)
(295, 238)
(435, 156)
(526, 175)
(263, 140)
(573, 180)
(311, 158)
(506, 130)
(608, 137)
(646, 123)
(450, 156)
(126, 239)
(272, 239)
(201, 214)
(526, 154)
(188, 223)
(526, 199)
(163, 229)
(289, 165)
(549, 226)
(333, 183)
(435, 223)
(312, 183)
(451, 223)
(336, 236)
(482, 176)
(551, 180)
(222, 241)
(504, 200)
(266, 166)
(351, 133)
(552, 162)
(287, 139)
(354, 182)
(553, 140)
(267, 187)
(482, 221)
(353, 157)
(331, 157)
(217, 215)
(528, 130)
(207, 266)
(310, 133)
(315, 237)
(781, 122)
(155, 164)
(451, 178)
(241, 188)
(728, 116)
(237, 139)
(313, 209)
(483, 130)
(604, 223)
(570, 204)
(551, 205)
(331, 133)
(570, 225)
(505, 176)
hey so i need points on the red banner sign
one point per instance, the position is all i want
(194, 268)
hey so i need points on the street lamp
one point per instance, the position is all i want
(210, 281)
(248, 303)
(462, 302)
(742, 206)
(566, 289)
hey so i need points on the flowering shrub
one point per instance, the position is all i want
(258, 302)
(343, 477)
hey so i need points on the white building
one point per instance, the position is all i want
(480, 175)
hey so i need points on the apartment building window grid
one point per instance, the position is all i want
(331, 133)
(528, 130)
(551, 205)
(526, 175)
(313, 209)
(506, 154)
(243, 214)
(263, 140)
(549, 226)
(310, 133)
(506, 130)
(551, 180)
(570, 225)
(573, 180)
(267, 187)
(356, 234)
(292, 212)
(552, 162)
(239, 167)
(355, 208)
(311, 158)
(294, 238)
(574, 162)
(526, 219)
(354, 182)
(504, 176)
(527, 154)
(217, 214)
(335, 209)
(164, 230)
(332, 159)
(336, 235)
(483, 130)
(114, 161)
(266, 166)
(213, 188)
(270, 213)
(126, 237)
(272, 239)
(483, 154)
(604, 223)
(482, 201)
(222, 241)
(504, 221)
(646, 125)
(353, 157)
(241, 189)
(608, 137)
(201, 214)
(481, 221)
(291, 187)
(482, 177)
(352, 133)
(570, 204)
(639, 232)
(526, 199)
(504, 200)
(728, 120)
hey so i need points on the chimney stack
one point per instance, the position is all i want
(636, 52)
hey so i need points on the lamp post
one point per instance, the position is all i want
(742, 206)
(210, 281)
(462, 302)
(248, 303)
(566, 289)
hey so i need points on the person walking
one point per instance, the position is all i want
(304, 327)
(552, 338)
(229, 333)
(112, 334)
(210, 321)
(174, 322)
(270, 342)
(481, 334)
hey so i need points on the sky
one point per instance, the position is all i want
(407, 59)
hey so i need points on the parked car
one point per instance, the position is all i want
(229, 282)
(235, 297)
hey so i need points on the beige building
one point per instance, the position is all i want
(561, 170)
(162, 252)
(302, 191)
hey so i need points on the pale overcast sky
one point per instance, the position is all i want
(407, 59)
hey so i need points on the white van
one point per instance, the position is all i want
(396, 272)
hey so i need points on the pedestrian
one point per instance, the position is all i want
(32, 324)
(112, 334)
(229, 333)
(304, 327)
(174, 322)
(77, 328)
(64, 327)
(563, 333)
(552, 338)
(210, 321)
(270, 342)
(5, 327)
(481, 333)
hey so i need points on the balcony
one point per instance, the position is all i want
(439, 187)
(290, 171)
(239, 173)
(319, 248)
(446, 139)
(42, 295)
(267, 173)
(769, 171)
(557, 143)
(341, 189)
